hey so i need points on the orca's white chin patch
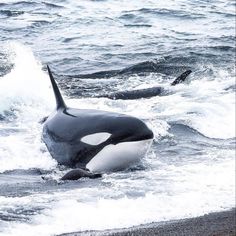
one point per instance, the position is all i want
(119, 156)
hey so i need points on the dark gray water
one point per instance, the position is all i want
(97, 47)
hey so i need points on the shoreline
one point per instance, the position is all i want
(213, 224)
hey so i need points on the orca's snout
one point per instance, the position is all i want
(148, 134)
(143, 132)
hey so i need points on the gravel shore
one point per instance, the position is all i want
(214, 224)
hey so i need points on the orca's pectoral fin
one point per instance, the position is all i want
(181, 78)
(80, 173)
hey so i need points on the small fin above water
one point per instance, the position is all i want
(181, 78)
(80, 173)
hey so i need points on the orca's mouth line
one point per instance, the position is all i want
(139, 138)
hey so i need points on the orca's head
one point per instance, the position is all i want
(115, 141)
(126, 145)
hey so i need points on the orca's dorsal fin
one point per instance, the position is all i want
(59, 99)
(181, 78)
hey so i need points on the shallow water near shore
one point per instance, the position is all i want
(97, 47)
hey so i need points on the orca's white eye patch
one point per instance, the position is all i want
(96, 138)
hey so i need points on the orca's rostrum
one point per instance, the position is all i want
(93, 141)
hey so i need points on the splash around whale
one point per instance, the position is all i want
(93, 141)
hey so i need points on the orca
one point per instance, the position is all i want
(93, 141)
(145, 93)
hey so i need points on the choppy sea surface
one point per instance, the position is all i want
(96, 47)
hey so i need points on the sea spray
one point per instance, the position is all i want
(26, 84)
(25, 99)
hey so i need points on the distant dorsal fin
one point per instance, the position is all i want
(181, 78)
(59, 100)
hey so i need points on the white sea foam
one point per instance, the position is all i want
(26, 91)
(190, 191)
(203, 105)
(24, 151)
(26, 84)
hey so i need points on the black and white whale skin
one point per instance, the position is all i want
(93, 141)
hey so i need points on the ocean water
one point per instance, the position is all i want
(101, 46)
